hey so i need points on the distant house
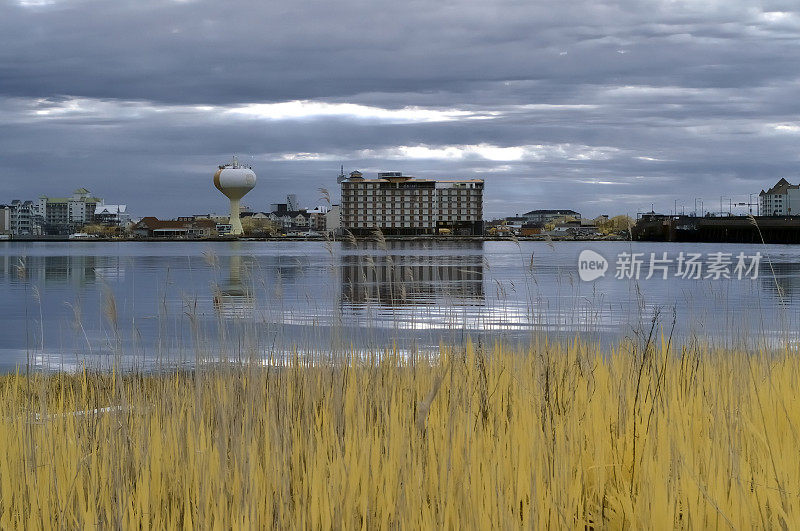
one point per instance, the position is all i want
(152, 227)
(531, 229)
(111, 214)
(298, 221)
(574, 229)
(783, 199)
(317, 218)
(548, 216)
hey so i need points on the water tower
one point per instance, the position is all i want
(235, 180)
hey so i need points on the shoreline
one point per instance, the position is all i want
(450, 239)
(314, 239)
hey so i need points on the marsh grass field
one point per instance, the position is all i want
(647, 435)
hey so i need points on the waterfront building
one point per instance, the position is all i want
(783, 199)
(317, 218)
(549, 216)
(152, 227)
(298, 221)
(24, 218)
(573, 229)
(111, 214)
(5, 219)
(397, 204)
(531, 228)
(63, 215)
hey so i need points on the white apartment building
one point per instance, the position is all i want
(66, 214)
(24, 220)
(401, 205)
(783, 199)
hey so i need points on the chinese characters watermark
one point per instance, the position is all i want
(662, 265)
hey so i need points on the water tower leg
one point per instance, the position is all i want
(236, 223)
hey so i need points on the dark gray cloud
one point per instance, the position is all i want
(602, 107)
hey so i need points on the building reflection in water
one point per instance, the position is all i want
(233, 298)
(781, 275)
(401, 275)
(76, 270)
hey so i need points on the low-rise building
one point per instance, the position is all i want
(152, 227)
(549, 216)
(783, 199)
(317, 219)
(531, 228)
(296, 221)
(573, 229)
(111, 214)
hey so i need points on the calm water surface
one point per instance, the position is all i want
(147, 303)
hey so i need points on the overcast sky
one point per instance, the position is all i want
(599, 106)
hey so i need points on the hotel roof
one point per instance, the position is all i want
(407, 179)
(781, 187)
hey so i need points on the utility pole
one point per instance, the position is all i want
(700, 199)
(721, 203)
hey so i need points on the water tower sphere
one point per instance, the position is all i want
(234, 181)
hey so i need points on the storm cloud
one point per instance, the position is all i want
(600, 107)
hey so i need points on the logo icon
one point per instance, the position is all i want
(591, 265)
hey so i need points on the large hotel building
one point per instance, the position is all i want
(402, 205)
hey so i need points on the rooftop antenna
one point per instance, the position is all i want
(341, 175)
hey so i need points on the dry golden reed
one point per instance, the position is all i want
(551, 436)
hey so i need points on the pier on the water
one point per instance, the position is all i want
(734, 229)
